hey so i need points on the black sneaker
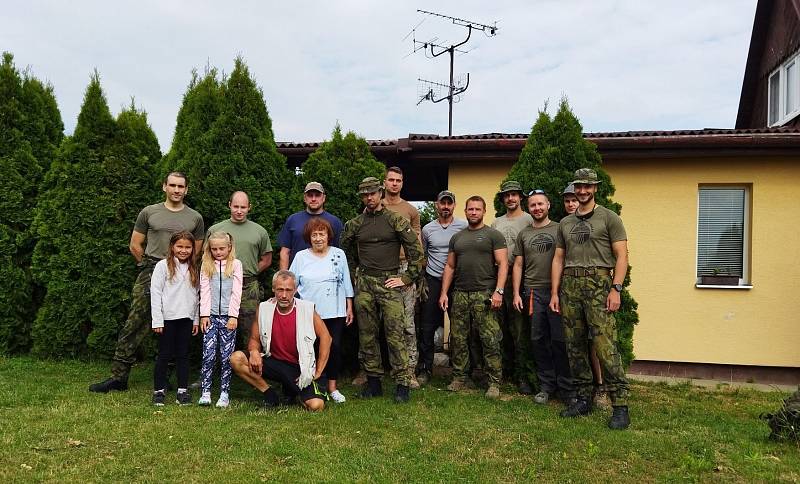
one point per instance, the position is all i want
(579, 407)
(158, 398)
(620, 420)
(524, 388)
(372, 388)
(108, 385)
(184, 398)
(401, 394)
(271, 398)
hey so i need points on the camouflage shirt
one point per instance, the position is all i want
(372, 241)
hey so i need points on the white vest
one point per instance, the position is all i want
(304, 313)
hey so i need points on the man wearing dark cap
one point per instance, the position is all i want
(435, 243)
(372, 242)
(516, 334)
(589, 266)
(290, 238)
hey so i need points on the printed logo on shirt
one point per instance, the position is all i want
(541, 243)
(581, 232)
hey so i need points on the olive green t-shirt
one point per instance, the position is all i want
(536, 246)
(587, 241)
(158, 223)
(250, 240)
(474, 250)
(510, 228)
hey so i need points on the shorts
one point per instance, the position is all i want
(287, 374)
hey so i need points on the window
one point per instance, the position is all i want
(722, 240)
(783, 94)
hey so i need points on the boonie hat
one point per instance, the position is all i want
(510, 186)
(585, 176)
(570, 190)
(314, 186)
(446, 194)
(369, 184)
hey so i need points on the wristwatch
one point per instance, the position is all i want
(618, 287)
(499, 290)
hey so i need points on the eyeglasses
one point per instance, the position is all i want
(536, 191)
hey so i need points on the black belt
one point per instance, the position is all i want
(587, 271)
(376, 273)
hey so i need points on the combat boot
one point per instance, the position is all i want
(372, 388)
(579, 407)
(401, 394)
(457, 384)
(108, 385)
(620, 420)
(493, 392)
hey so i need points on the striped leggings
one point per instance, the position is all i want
(217, 336)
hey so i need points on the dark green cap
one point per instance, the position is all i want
(369, 184)
(510, 186)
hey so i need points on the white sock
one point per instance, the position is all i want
(181, 390)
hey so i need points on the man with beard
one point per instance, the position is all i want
(478, 295)
(589, 266)
(533, 257)
(435, 242)
(290, 238)
(516, 334)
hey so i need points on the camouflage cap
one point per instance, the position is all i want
(510, 186)
(314, 186)
(570, 190)
(585, 176)
(369, 184)
(445, 194)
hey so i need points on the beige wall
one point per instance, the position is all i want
(476, 178)
(680, 322)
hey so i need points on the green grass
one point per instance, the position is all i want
(53, 429)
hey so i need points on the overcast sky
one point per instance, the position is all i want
(624, 65)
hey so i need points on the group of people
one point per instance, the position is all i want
(525, 289)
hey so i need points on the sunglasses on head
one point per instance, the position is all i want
(536, 191)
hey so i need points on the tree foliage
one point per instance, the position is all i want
(224, 142)
(30, 131)
(554, 150)
(340, 164)
(103, 175)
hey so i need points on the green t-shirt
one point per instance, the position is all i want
(510, 228)
(250, 240)
(588, 241)
(474, 250)
(158, 223)
(536, 246)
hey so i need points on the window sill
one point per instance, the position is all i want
(715, 286)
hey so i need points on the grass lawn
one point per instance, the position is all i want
(53, 429)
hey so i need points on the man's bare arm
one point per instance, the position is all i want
(264, 262)
(284, 258)
(136, 245)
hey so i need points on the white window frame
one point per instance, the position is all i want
(744, 280)
(784, 116)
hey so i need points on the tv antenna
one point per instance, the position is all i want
(434, 91)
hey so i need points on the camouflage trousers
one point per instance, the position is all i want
(409, 328)
(583, 309)
(517, 360)
(138, 324)
(251, 297)
(471, 311)
(376, 304)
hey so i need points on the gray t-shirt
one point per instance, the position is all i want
(435, 242)
(510, 228)
(537, 246)
(158, 223)
(250, 240)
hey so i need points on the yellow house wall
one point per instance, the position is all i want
(679, 322)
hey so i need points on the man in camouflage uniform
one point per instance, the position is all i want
(477, 296)
(254, 249)
(589, 266)
(155, 224)
(372, 242)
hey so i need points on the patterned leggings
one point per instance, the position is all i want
(218, 335)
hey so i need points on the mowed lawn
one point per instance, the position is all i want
(53, 429)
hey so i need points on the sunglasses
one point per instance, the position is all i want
(536, 191)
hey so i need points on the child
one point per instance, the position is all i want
(173, 302)
(220, 296)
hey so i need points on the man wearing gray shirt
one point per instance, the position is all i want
(435, 243)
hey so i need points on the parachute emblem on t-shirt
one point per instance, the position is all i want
(542, 243)
(580, 232)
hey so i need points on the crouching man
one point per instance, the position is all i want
(281, 347)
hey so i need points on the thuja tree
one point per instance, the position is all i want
(554, 150)
(340, 164)
(103, 175)
(30, 131)
(224, 142)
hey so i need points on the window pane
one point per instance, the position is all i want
(720, 232)
(791, 87)
(774, 98)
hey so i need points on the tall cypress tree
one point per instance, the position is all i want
(554, 150)
(340, 164)
(224, 142)
(30, 131)
(103, 175)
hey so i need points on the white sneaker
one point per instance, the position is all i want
(223, 400)
(205, 399)
(337, 396)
